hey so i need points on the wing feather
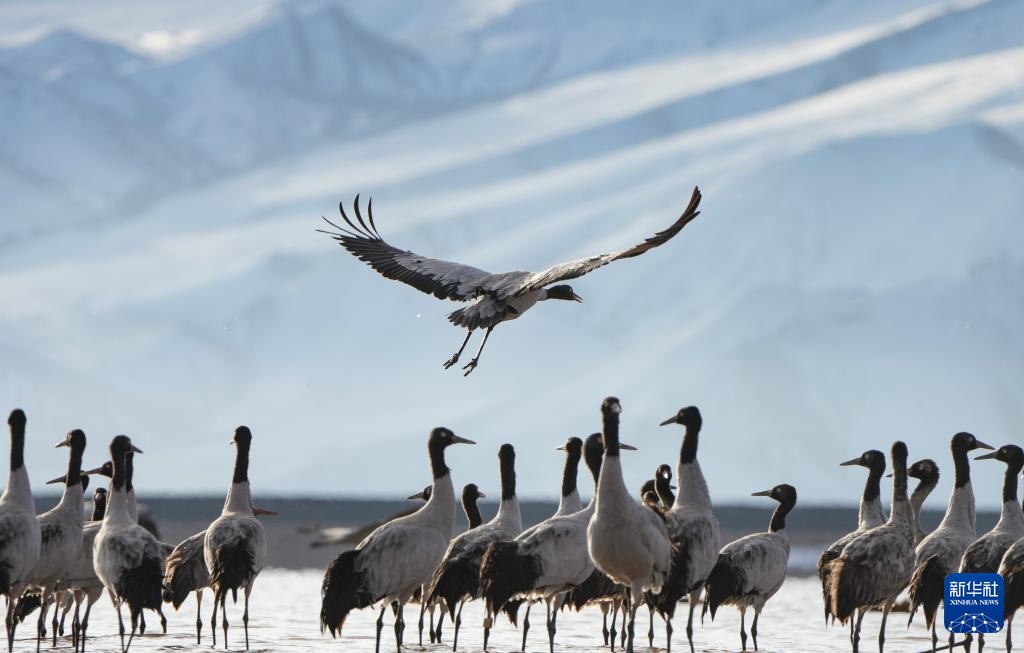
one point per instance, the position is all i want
(580, 267)
(442, 279)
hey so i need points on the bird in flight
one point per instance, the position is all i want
(497, 297)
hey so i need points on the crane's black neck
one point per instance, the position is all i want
(593, 452)
(610, 433)
(1013, 468)
(507, 461)
(74, 475)
(778, 521)
(472, 511)
(569, 473)
(688, 452)
(436, 452)
(662, 486)
(241, 472)
(17, 423)
(119, 461)
(961, 464)
(899, 472)
(873, 486)
(129, 471)
(99, 506)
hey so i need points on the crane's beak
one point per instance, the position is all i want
(54, 481)
(418, 495)
(577, 298)
(627, 447)
(673, 487)
(978, 444)
(62, 443)
(988, 456)
(850, 463)
(561, 448)
(136, 449)
(763, 493)
(260, 512)
(889, 475)
(97, 471)
(459, 440)
(480, 495)
(670, 420)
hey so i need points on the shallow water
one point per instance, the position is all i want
(284, 616)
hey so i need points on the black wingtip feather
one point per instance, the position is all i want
(457, 578)
(343, 590)
(233, 567)
(142, 587)
(504, 573)
(926, 589)
(723, 583)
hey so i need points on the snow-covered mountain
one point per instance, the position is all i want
(856, 275)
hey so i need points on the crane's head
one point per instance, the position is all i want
(688, 417)
(563, 292)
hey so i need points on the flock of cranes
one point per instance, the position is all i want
(614, 552)
(57, 559)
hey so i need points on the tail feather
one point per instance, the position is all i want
(675, 587)
(505, 572)
(233, 567)
(847, 589)
(142, 587)
(597, 587)
(926, 589)
(456, 579)
(825, 573)
(723, 583)
(344, 589)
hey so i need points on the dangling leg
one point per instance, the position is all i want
(458, 624)
(399, 627)
(471, 365)
(753, 626)
(694, 597)
(380, 626)
(245, 615)
(526, 624)
(455, 357)
(199, 616)
(743, 628)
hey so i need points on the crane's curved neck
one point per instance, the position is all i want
(871, 513)
(1010, 482)
(508, 478)
(778, 522)
(440, 508)
(569, 475)
(960, 512)
(239, 498)
(19, 489)
(901, 511)
(663, 488)
(99, 507)
(241, 470)
(962, 467)
(693, 489)
(472, 511)
(437, 464)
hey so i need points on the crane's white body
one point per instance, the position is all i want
(20, 539)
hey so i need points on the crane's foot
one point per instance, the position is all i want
(452, 361)
(470, 366)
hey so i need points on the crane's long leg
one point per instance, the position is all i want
(856, 631)
(224, 617)
(634, 604)
(753, 626)
(57, 623)
(487, 628)
(135, 623)
(245, 615)
(380, 626)
(455, 357)
(552, 617)
(623, 631)
(1009, 641)
(84, 626)
(120, 624)
(604, 622)
(471, 365)
(423, 609)
(694, 597)
(458, 624)
(399, 627)
(213, 618)
(881, 630)
(743, 628)
(440, 620)
(650, 622)
(75, 623)
(199, 616)
(526, 624)
(11, 605)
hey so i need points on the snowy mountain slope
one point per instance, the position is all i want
(854, 277)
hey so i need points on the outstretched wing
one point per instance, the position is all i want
(442, 279)
(579, 267)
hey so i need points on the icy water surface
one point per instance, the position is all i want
(285, 609)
